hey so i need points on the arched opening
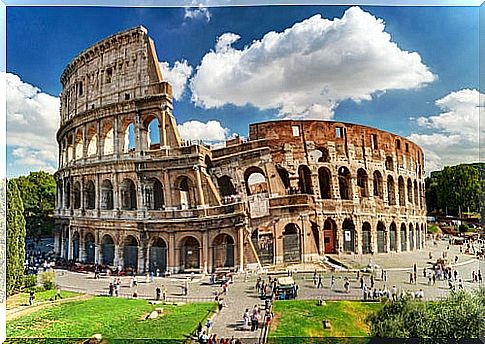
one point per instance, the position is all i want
(153, 138)
(255, 181)
(75, 246)
(92, 142)
(107, 250)
(378, 184)
(305, 180)
(187, 193)
(90, 196)
(158, 256)
(77, 195)
(89, 247)
(381, 237)
(344, 182)
(128, 195)
(190, 252)
(362, 182)
(418, 237)
(291, 243)
(366, 238)
(329, 236)
(316, 236)
(416, 195)
(223, 251)
(410, 191)
(322, 155)
(393, 237)
(263, 242)
(348, 228)
(284, 176)
(391, 193)
(129, 143)
(130, 253)
(108, 139)
(325, 181)
(402, 195)
(70, 148)
(154, 199)
(78, 145)
(106, 195)
(67, 196)
(226, 188)
(411, 237)
(403, 237)
(389, 164)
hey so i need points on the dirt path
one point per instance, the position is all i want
(18, 312)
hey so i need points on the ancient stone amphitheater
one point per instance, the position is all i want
(132, 193)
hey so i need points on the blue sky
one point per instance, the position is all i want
(433, 101)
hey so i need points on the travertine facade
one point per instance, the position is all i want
(294, 191)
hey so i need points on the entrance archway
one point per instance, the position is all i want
(366, 238)
(158, 255)
(393, 237)
(75, 247)
(190, 253)
(89, 246)
(223, 251)
(107, 250)
(381, 237)
(291, 243)
(403, 237)
(411, 237)
(130, 253)
(329, 236)
(263, 244)
(348, 228)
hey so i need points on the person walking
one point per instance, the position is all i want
(372, 281)
(320, 283)
(58, 294)
(332, 283)
(246, 320)
(31, 297)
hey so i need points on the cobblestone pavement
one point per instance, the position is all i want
(242, 293)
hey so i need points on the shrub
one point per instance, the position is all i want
(29, 281)
(48, 280)
(463, 228)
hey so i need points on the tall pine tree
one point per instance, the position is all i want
(15, 238)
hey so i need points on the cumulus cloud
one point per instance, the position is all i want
(306, 70)
(32, 121)
(199, 11)
(178, 76)
(212, 131)
(454, 135)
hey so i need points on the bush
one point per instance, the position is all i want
(463, 228)
(48, 280)
(29, 281)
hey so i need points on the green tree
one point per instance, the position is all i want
(15, 238)
(38, 192)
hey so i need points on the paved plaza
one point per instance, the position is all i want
(242, 294)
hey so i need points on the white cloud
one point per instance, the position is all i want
(178, 76)
(200, 11)
(32, 122)
(212, 131)
(309, 68)
(454, 135)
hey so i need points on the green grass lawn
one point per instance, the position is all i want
(304, 318)
(21, 299)
(111, 317)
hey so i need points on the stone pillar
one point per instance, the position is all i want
(69, 251)
(200, 191)
(138, 144)
(163, 130)
(358, 236)
(205, 263)
(83, 193)
(373, 236)
(100, 140)
(398, 238)
(97, 185)
(116, 259)
(116, 138)
(278, 244)
(172, 264)
(57, 241)
(167, 194)
(241, 248)
(141, 258)
(116, 194)
(82, 247)
(387, 238)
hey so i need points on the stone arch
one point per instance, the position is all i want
(378, 189)
(418, 236)
(402, 195)
(90, 195)
(77, 195)
(106, 195)
(391, 192)
(89, 248)
(403, 237)
(70, 148)
(348, 229)
(284, 176)
(154, 197)
(128, 194)
(291, 243)
(411, 237)
(263, 242)
(330, 236)
(389, 163)
(416, 194)
(344, 183)
(78, 145)
(325, 181)
(362, 182)
(305, 180)
(158, 255)
(108, 139)
(255, 181)
(393, 236)
(130, 252)
(410, 191)
(223, 251)
(75, 246)
(92, 142)
(366, 238)
(381, 237)
(152, 126)
(226, 187)
(186, 192)
(129, 136)
(189, 253)
(323, 155)
(107, 250)
(67, 195)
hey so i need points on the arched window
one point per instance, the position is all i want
(402, 195)
(226, 188)
(325, 181)
(108, 139)
(391, 193)
(321, 155)
(92, 142)
(128, 195)
(129, 138)
(344, 182)
(389, 164)
(67, 195)
(378, 184)
(255, 181)
(106, 195)
(153, 134)
(410, 191)
(284, 175)
(154, 194)
(305, 180)
(362, 182)
(78, 145)
(90, 195)
(187, 193)
(77, 195)
(416, 194)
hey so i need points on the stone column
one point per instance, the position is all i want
(398, 238)
(241, 248)
(116, 138)
(387, 238)
(172, 264)
(373, 236)
(69, 251)
(99, 141)
(116, 193)
(358, 236)
(205, 252)
(163, 130)
(141, 257)
(278, 244)
(97, 185)
(200, 191)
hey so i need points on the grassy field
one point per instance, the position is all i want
(111, 317)
(304, 319)
(22, 299)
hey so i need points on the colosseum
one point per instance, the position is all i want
(132, 193)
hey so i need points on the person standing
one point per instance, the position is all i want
(332, 283)
(157, 293)
(372, 281)
(246, 319)
(31, 297)
(320, 283)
